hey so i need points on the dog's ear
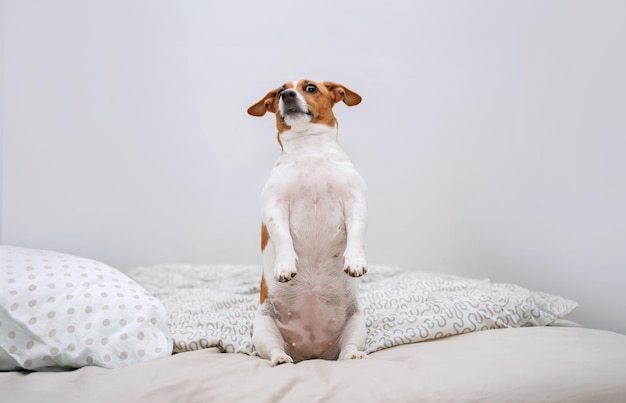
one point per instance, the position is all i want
(267, 104)
(341, 93)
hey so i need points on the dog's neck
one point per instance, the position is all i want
(309, 138)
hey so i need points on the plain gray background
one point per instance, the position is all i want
(492, 134)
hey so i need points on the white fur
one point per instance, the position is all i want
(314, 208)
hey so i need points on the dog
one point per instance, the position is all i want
(314, 220)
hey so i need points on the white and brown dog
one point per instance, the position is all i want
(314, 214)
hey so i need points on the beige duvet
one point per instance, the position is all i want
(551, 364)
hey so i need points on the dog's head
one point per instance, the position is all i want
(299, 103)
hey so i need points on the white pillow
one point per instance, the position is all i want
(62, 311)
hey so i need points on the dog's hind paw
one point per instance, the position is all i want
(352, 353)
(359, 355)
(280, 357)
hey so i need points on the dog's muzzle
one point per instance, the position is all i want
(288, 95)
(291, 103)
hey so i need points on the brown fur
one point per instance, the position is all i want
(264, 291)
(265, 237)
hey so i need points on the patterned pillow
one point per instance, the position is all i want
(58, 310)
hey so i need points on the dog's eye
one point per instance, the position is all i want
(280, 93)
(311, 89)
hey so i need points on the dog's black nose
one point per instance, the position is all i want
(288, 95)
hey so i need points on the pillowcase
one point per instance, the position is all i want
(62, 311)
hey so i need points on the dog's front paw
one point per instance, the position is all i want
(354, 263)
(285, 270)
(280, 357)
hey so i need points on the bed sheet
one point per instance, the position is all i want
(539, 364)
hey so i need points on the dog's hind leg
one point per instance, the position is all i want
(267, 339)
(353, 338)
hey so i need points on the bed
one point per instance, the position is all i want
(75, 330)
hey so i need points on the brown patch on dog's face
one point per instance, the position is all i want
(319, 100)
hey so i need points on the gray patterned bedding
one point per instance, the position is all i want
(214, 306)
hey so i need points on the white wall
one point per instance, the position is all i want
(492, 134)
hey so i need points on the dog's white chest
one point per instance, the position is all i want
(315, 190)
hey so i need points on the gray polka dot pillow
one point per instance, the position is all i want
(61, 311)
